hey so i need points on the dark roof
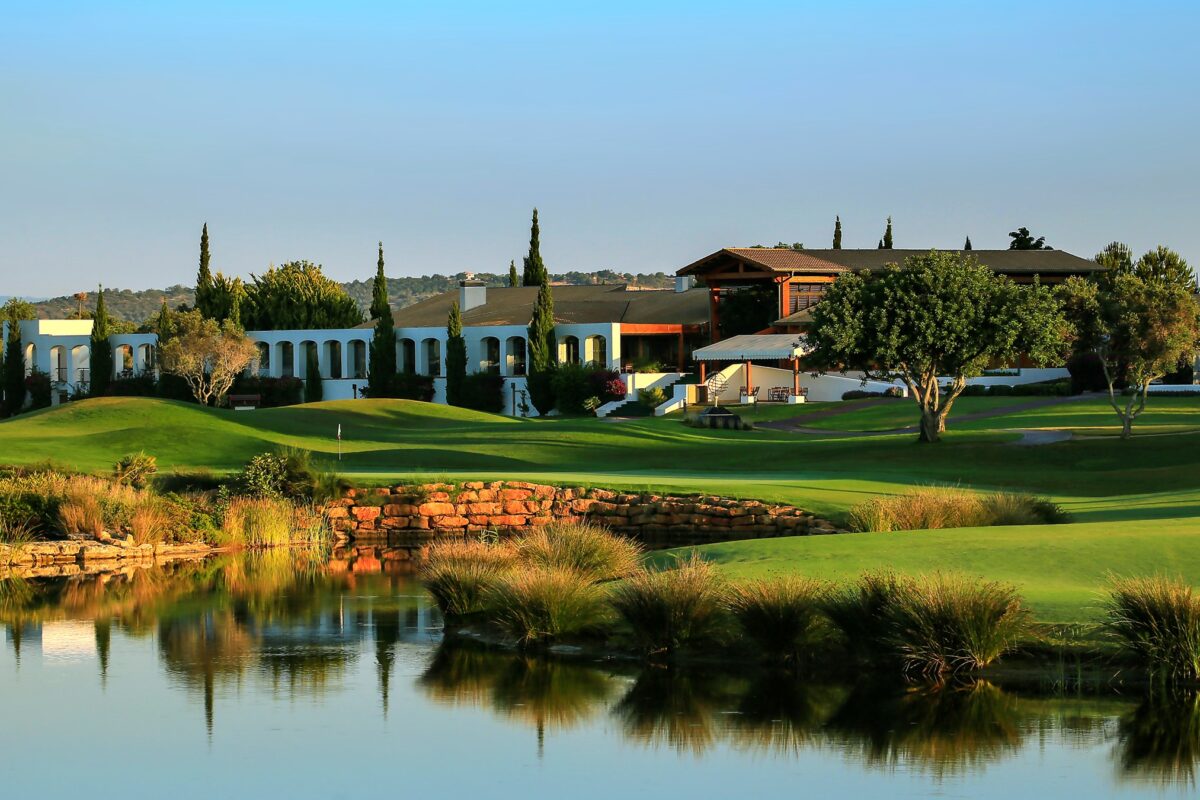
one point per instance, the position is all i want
(1044, 262)
(588, 304)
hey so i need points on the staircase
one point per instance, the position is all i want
(631, 406)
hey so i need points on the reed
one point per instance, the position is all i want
(82, 515)
(584, 547)
(671, 609)
(784, 617)
(257, 522)
(542, 604)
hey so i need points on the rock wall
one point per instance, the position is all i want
(513, 507)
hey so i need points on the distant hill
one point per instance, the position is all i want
(139, 306)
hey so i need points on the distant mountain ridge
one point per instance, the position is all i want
(136, 307)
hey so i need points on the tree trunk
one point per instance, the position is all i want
(1126, 426)
(932, 426)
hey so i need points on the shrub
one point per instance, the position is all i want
(1157, 620)
(667, 610)
(607, 384)
(934, 508)
(653, 397)
(257, 522)
(272, 392)
(483, 391)
(37, 384)
(943, 624)
(583, 547)
(784, 617)
(135, 469)
(141, 385)
(188, 480)
(291, 473)
(545, 603)
(572, 386)
(648, 365)
(406, 386)
(861, 394)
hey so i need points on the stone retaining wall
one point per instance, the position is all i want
(72, 557)
(514, 507)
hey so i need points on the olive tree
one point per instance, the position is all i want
(1139, 326)
(207, 355)
(941, 315)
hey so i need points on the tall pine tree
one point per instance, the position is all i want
(456, 357)
(535, 270)
(382, 369)
(314, 388)
(101, 364)
(513, 278)
(967, 244)
(204, 278)
(542, 351)
(837, 233)
(886, 244)
(12, 376)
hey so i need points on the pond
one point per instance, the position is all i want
(295, 675)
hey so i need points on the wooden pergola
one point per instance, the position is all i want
(761, 346)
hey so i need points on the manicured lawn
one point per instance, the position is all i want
(1136, 503)
(1060, 569)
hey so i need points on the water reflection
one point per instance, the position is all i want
(296, 624)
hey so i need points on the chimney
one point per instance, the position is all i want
(471, 293)
(683, 283)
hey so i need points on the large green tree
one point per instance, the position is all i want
(837, 233)
(1139, 327)
(941, 316)
(535, 270)
(456, 356)
(382, 368)
(204, 278)
(1022, 239)
(542, 347)
(297, 296)
(513, 278)
(206, 355)
(101, 355)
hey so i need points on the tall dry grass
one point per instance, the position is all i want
(540, 604)
(1157, 620)
(671, 609)
(81, 515)
(458, 571)
(784, 617)
(257, 522)
(584, 547)
(932, 508)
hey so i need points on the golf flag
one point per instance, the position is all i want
(339, 431)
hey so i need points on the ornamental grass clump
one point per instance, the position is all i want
(588, 549)
(257, 522)
(458, 571)
(1157, 620)
(541, 604)
(671, 609)
(858, 612)
(933, 508)
(784, 617)
(944, 624)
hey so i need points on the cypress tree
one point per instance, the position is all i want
(967, 244)
(382, 368)
(456, 357)
(513, 278)
(541, 348)
(164, 327)
(535, 269)
(13, 374)
(314, 390)
(204, 278)
(887, 235)
(100, 350)
(837, 233)
(880, 245)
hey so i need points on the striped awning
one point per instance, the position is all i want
(751, 346)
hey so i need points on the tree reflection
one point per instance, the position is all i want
(676, 708)
(1160, 739)
(782, 713)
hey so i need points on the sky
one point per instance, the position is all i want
(647, 134)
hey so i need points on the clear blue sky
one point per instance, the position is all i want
(648, 134)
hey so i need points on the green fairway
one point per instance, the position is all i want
(1126, 496)
(1061, 570)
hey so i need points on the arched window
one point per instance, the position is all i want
(264, 358)
(58, 364)
(308, 350)
(408, 357)
(286, 355)
(570, 350)
(30, 358)
(146, 358)
(123, 360)
(515, 357)
(358, 359)
(597, 350)
(490, 352)
(433, 357)
(81, 362)
(333, 360)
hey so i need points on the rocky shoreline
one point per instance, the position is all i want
(79, 557)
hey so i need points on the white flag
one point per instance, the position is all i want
(339, 431)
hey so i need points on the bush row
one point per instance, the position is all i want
(933, 508)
